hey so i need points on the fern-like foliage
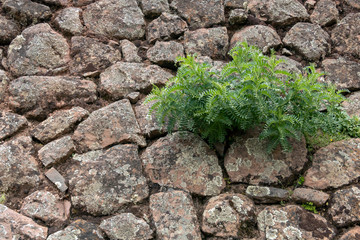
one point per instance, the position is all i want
(248, 93)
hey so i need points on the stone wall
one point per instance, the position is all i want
(79, 159)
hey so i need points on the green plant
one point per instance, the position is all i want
(248, 93)
(310, 207)
(300, 181)
(2, 198)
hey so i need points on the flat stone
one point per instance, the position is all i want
(352, 104)
(16, 226)
(26, 12)
(247, 161)
(102, 181)
(278, 12)
(10, 123)
(325, 13)
(343, 73)
(153, 8)
(8, 31)
(263, 37)
(212, 42)
(345, 36)
(129, 51)
(335, 165)
(201, 13)
(56, 178)
(225, 214)
(235, 3)
(309, 40)
(37, 96)
(293, 222)
(304, 195)
(68, 21)
(39, 50)
(91, 55)
(165, 53)
(267, 194)
(123, 78)
(58, 123)
(126, 226)
(12, 173)
(47, 207)
(351, 234)
(56, 151)
(115, 19)
(165, 27)
(174, 216)
(238, 16)
(4, 83)
(344, 206)
(79, 229)
(183, 160)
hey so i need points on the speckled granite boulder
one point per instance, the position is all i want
(352, 104)
(353, 3)
(79, 229)
(10, 123)
(238, 16)
(68, 21)
(129, 51)
(56, 151)
(305, 195)
(8, 31)
(57, 2)
(325, 13)
(153, 8)
(351, 234)
(165, 53)
(267, 194)
(235, 3)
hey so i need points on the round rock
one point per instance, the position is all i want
(8, 31)
(68, 21)
(325, 13)
(153, 8)
(165, 53)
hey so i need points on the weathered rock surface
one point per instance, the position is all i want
(47, 207)
(10, 123)
(345, 35)
(91, 55)
(325, 13)
(8, 31)
(247, 161)
(123, 78)
(235, 3)
(57, 179)
(37, 96)
(102, 181)
(278, 12)
(201, 13)
(11, 172)
(126, 226)
(68, 21)
(80, 3)
(309, 40)
(115, 19)
(165, 53)
(16, 226)
(4, 83)
(288, 65)
(225, 214)
(263, 37)
(165, 27)
(80, 229)
(59, 123)
(293, 222)
(238, 16)
(39, 50)
(353, 3)
(335, 165)
(212, 42)
(305, 195)
(129, 51)
(153, 8)
(267, 194)
(352, 104)
(343, 73)
(174, 216)
(353, 233)
(56, 151)
(344, 206)
(57, 2)
(183, 160)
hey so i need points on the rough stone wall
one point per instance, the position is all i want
(79, 159)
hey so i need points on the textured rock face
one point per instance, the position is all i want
(39, 50)
(102, 181)
(224, 214)
(37, 96)
(115, 19)
(69, 21)
(129, 51)
(353, 3)
(56, 151)
(310, 40)
(263, 37)
(305, 195)
(115, 123)
(91, 55)
(10, 123)
(4, 82)
(123, 78)
(235, 3)
(8, 31)
(174, 216)
(344, 206)
(80, 229)
(279, 12)
(238, 16)
(345, 35)
(11, 172)
(126, 226)
(247, 161)
(165, 27)
(288, 65)
(201, 13)
(212, 42)
(183, 160)
(16, 226)
(353, 233)
(57, 179)
(165, 53)
(293, 222)
(267, 194)
(335, 165)
(57, 2)
(325, 13)
(153, 8)
(352, 104)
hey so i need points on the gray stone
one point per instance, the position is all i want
(68, 21)
(129, 51)
(81, 3)
(263, 37)
(79, 229)
(153, 8)
(133, 97)
(57, 2)
(352, 104)
(267, 194)
(238, 16)
(309, 40)
(305, 195)
(10, 123)
(174, 216)
(325, 13)
(212, 42)
(102, 181)
(9, 30)
(183, 160)
(4, 82)
(39, 50)
(235, 4)
(351, 234)
(56, 151)
(353, 3)
(115, 19)
(57, 179)
(165, 53)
